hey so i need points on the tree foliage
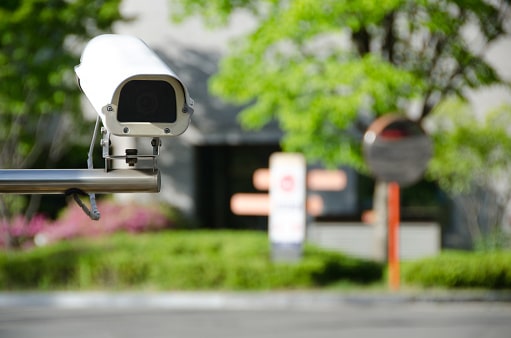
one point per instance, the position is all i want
(472, 163)
(319, 67)
(40, 42)
(472, 149)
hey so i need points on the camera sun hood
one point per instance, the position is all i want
(134, 92)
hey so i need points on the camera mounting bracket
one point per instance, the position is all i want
(131, 155)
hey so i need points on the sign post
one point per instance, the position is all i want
(397, 151)
(393, 240)
(287, 218)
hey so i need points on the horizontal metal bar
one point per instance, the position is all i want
(60, 181)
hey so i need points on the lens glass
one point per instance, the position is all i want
(147, 101)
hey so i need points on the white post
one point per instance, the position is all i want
(287, 218)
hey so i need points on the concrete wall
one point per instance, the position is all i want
(416, 240)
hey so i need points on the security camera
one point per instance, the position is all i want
(134, 92)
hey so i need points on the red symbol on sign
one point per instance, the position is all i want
(287, 183)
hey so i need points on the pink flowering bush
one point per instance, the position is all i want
(20, 231)
(115, 217)
(74, 223)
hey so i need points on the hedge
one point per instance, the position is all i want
(176, 260)
(457, 269)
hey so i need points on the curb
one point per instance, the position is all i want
(236, 300)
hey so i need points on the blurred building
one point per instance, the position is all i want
(215, 158)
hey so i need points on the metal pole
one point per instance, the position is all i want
(60, 181)
(393, 239)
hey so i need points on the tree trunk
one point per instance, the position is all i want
(380, 200)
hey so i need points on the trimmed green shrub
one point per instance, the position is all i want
(20, 270)
(177, 260)
(456, 269)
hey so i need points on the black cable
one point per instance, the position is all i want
(94, 213)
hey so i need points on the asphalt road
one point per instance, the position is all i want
(382, 320)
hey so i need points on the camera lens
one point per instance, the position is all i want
(147, 101)
(147, 104)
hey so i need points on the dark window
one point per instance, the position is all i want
(221, 172)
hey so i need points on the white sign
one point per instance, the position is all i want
(287, 218)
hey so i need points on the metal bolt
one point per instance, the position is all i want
(131, 158)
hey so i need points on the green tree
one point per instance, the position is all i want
(40, 42)
(317, 67)
(474, 166)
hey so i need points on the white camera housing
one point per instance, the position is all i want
(134, 92)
